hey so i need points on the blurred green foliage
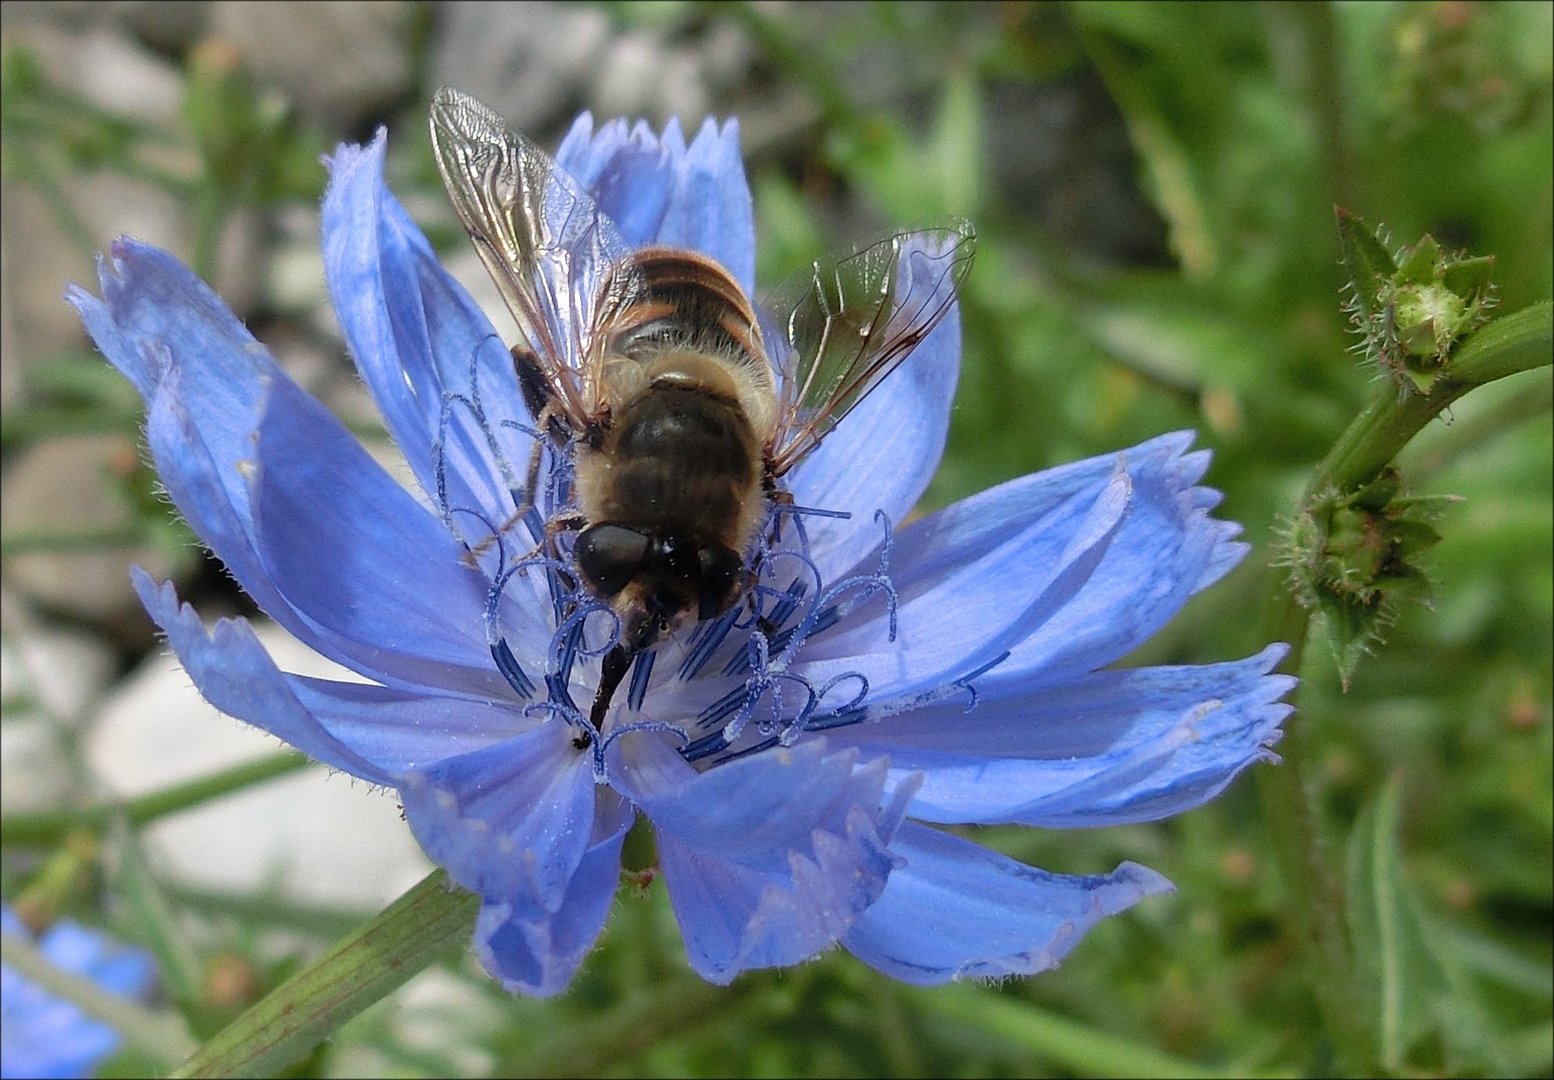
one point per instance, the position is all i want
(1245, 125)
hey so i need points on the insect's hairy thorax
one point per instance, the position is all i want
(679, 456)
(688, 315)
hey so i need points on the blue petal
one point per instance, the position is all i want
(235, 674)
(881, 457)
(659, 191)
(539, 954)
(44, 1035)
(769, 858)
(361, 560)
(958, 619)
(405, 730)
(1165, 551)
(439, 373)
(156, 317)
(970, 528)
(209, 386)
(1110, 748)
(511, 821)
(1163, 548)
(958, 910)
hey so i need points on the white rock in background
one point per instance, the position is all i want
(315, 837)
(341, 62)
(48, 681)
(64, 485)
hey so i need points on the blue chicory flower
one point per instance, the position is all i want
(799, 771)
(43, 1035)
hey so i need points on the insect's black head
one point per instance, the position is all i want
(657, 581)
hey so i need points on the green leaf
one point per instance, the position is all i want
(1366, 262)
(1351, 634)
(1078, 1049)
(1398, 976)
(1420, 261)
(154, 915)
(954, 152)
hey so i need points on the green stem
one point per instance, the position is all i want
(1508, 346)
(64, 539)
(380, 956)
(618, 1036)
(34, 423)
(1075, 1048)
(49, 826)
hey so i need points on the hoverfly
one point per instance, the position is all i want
(685, 404)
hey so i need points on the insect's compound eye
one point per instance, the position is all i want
(674, 560)
(722, 570)
(609, 556)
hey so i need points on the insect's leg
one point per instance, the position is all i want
(531, 380)
(778, 497)
(548, 420)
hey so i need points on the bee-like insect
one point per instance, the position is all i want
(685, 404)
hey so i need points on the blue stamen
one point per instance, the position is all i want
(704, 747)
(765, 744)
(704, 642)
(641, 672)
(724, 706)
(477, 411)
(661, 726)
(561, 694)
(511, 670)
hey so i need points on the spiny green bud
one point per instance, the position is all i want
(1411, 311)
(1354, 557)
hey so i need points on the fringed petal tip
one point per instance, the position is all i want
(957, 910)
(349, 156)
(538, 953)
(512, 821)
(235, 674)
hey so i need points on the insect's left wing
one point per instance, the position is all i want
(560, 263)
(849, 324)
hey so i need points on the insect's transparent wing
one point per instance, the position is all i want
(560, 263)
(849, 324)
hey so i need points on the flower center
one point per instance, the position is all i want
(738, 686)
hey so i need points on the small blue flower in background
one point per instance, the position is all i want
(800, 767)
(43, 1035)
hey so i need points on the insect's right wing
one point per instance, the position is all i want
(847, 325)
(560, 263)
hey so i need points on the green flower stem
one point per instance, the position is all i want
(63, 540)
(619, 1035)
(51, 826)
(34, 423)
(366, 965)
(1517, 343)
(1507, 346)
(1074, 1048)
